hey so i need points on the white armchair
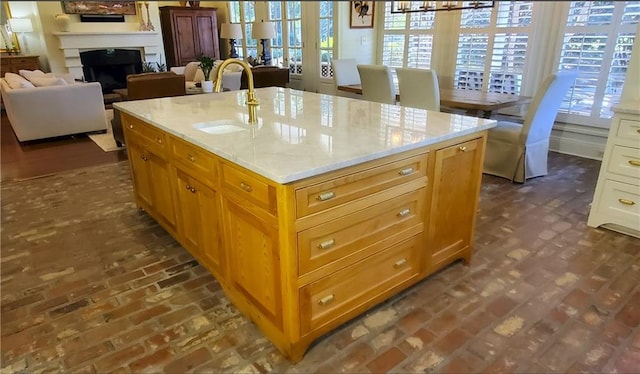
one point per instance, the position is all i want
(193, 74)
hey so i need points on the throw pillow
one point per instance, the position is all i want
(190, 71)
(16, 81)
(31, 74)
(48, 81)
(199, 76)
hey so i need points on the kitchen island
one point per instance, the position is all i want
(324, 208)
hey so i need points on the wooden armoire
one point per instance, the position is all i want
(188, 32)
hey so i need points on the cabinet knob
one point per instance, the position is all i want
(404, 212)
(326, 196)
(327, 299)
(191, 158)
(327, 244)
(400, 263)
(246, 187)
(634, 162)
(193, 190)
(144, 158)
(130, 126)
(405, 171)
(462, 148)
(626, 202)
(188, 187)
(159, 140)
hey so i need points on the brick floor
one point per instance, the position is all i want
(90, 284)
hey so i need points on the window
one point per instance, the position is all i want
(326, 38)
(407, 39)
(244, 13)
(287, 46)
(493, 43)
(597, 42)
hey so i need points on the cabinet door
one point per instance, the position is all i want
(140, 172)
(207, 35)
(457, 174)
(161, 188)
(252, 254)
(185, 37)
(198, 220)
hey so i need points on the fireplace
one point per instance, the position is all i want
(110, 67)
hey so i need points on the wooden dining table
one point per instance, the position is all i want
(474, 103)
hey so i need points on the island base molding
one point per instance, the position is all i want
(302, 258)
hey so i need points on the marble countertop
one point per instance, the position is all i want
(299, 134)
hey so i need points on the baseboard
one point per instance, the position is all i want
(578, 140)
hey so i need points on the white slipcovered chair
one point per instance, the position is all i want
(345, 71)
(377, 84)
(419, 88)
(519, 151)
(231, 77)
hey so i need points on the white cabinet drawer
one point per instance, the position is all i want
(621, 202)
(625, 161)
(629, 129)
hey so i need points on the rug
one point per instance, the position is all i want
(105, 140)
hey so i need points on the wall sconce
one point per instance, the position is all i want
(264, 31)
(434, 6)
(21, 26)
(231, 31)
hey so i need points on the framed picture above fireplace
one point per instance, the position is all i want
(99, 7)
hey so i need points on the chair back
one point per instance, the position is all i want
(345, 71)
(153, 85)
(419, 88)
(543, 109)
(377, 84)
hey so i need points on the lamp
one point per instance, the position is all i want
(264, 31)
(231, 31)
(434, 6)
(21, 25)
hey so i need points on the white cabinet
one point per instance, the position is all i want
(616, 203)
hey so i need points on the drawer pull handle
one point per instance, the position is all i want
(462, 148)
(400, 263)
(634, 162)
(130, 126)
(327, 299)
(626, 202)
(246, 187)
(406, 171)
(191, 158)
(326, 196)
(159, 140)
(404, 212)
(327, 244)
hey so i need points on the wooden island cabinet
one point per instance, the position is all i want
(301, 257)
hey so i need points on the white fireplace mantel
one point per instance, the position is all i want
(72, 43)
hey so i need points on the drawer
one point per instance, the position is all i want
(357, 235)
(356, 286)
(629, 129)
(153, 137)
(246, 186)
(625, 161)
(198, 162)
(621, 201)
(319, 197)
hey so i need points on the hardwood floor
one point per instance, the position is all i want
(44, 157)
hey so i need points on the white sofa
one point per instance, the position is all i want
(45, 112)
(231, 77)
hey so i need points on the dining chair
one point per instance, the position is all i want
(377, 84)
(519, 151)
(419, 88)
(345, 71)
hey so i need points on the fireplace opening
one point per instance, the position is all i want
(110, 67)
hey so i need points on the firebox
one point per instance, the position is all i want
(110, 67)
